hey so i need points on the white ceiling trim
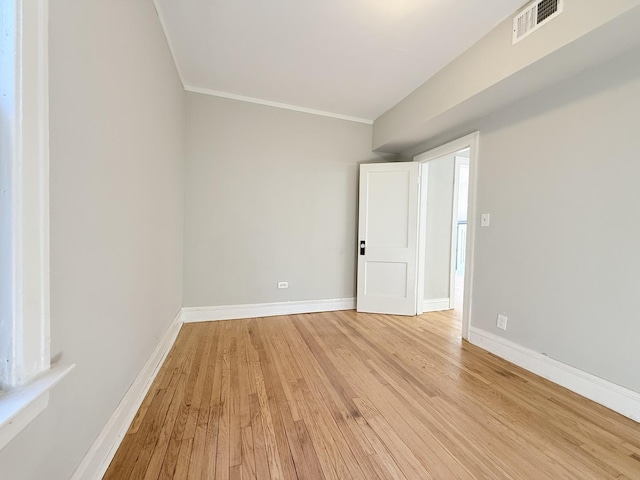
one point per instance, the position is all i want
(269, 103)
(165, 31)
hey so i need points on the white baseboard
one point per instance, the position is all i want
(99, 456)
(436, 305)
(617, 398)
(230, 312)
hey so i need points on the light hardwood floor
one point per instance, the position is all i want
(355, 396)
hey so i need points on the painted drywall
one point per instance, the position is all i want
(558, 172)
(463, 193)
(493, 73)
(117, 114)
(270, 196)
(438, 231)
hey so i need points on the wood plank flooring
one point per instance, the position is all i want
(354, 396)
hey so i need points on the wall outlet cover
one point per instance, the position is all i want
(501, 323)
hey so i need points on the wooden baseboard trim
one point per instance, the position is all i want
(615, 397)
(99, 456)
(230, 312)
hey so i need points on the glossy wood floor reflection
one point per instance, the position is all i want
(355, 396)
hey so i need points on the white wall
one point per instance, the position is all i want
(116, 203)
(270, 195)
(438, 232)
(559, 173)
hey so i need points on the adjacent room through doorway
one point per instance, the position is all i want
(445, 202)
(444, 232)
(461, 200)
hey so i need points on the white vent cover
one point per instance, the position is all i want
(534, 16)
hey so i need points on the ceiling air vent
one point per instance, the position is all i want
(534, 16)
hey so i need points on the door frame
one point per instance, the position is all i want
(471, 141)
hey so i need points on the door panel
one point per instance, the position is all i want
(388, 224)
(388, 198)
(386, 279)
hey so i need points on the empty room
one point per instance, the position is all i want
(319, 239)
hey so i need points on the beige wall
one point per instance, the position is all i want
(438, 232)
(270, 196)
(116, 203)
(559, 174)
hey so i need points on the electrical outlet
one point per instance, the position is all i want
(283, 284)
(501, 323)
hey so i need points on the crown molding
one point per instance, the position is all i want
(285, 106)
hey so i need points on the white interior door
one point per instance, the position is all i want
(388, 238)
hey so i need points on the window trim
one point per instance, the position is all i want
(20, 406)
(26, 374)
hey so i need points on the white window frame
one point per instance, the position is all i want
(26, 374)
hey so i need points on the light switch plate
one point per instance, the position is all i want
(485, 220)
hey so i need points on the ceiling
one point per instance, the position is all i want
(355, 58)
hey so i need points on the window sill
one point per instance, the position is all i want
(19, 407)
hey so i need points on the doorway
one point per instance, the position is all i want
(459, 227)
(447, 229)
